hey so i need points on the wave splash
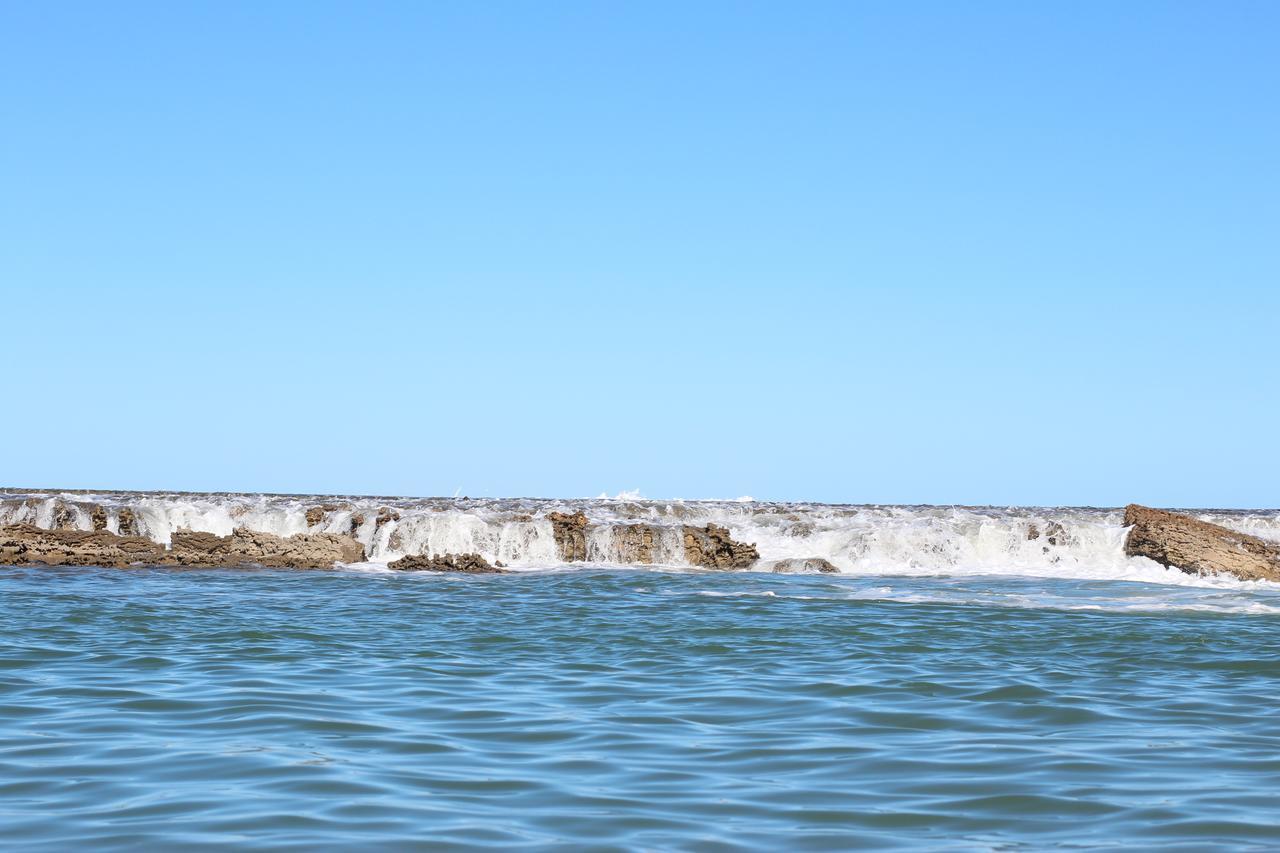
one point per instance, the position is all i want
(1045, 542)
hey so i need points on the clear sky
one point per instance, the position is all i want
(911, 252)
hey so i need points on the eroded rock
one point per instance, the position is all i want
(570, 532)
(1198, 547)
(248, 547)
(711, 547)
(634, 543)
(467, 563)
(128, 522)
(24, 544)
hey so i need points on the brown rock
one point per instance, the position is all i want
(1198, 547)
(467, 563)
(99, 516)
(570, 533)
(634, 543)
(247, 547)
(25, 544)
(128, 522)
(710, 547)
(803, 565)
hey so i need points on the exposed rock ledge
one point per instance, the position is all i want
(472, 564)
(709, 547)
(25, 544)
(247, 547)
(1198, 547)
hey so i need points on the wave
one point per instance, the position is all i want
(1065, 542)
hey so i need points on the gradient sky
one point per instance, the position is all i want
(853, 252)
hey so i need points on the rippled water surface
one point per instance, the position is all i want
(633, 709)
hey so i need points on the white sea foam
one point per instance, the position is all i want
(1069, 543)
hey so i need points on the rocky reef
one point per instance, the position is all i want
(635, 543)
(473, 564)
(711, 548)
(248, 547)
(570, 533)
(26, 544)
(1198, 547)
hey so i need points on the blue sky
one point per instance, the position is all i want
(851, 252)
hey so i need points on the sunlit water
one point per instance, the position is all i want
(636, 709)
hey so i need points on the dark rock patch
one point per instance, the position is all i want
(466, 563)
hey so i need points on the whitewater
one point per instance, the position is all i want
(1047, 542)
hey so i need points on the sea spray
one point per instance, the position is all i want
(1030, 541)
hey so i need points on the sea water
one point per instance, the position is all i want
(918, 705)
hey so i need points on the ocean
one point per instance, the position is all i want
(958, 683)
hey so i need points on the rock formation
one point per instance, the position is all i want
(99, 517)
(570, 533)
(1198, 547)
(710, 547)
(467, 563)
(128, 522)
(248, 547)
(24, 544)
(803, 565)
(634, 543)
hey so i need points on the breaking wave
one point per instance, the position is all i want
(921, 540)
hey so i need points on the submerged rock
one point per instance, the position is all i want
(570, 532)
(25, 544)
(467, 563)
(710, 547)
(1198, 547)
(803, 565)
(249, 547)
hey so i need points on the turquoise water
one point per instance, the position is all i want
(156, 709)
